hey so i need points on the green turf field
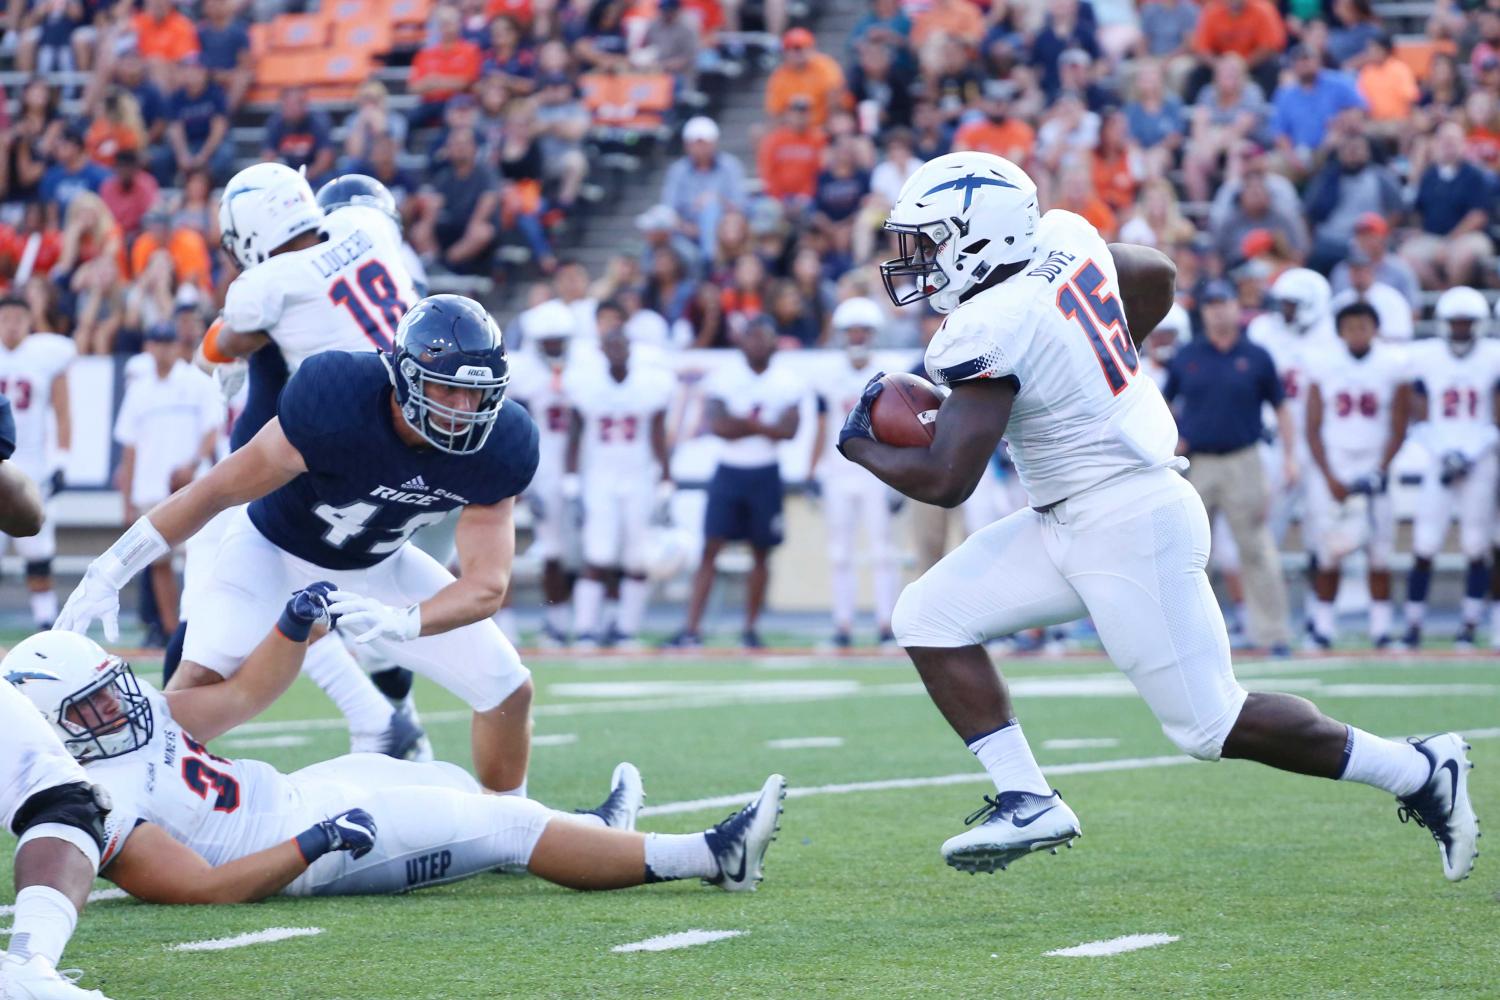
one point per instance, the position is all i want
(1275, 886)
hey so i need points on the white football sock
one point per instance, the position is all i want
(556, 616)
(1007, 757)
(678, 855)
(44, 922)
(635, 594)
(1473, 610)
(1380, 619)
(44, 607)
(1399, 768)
(588, 598)
(1323, 620)
(331, 666)
(1415, 612)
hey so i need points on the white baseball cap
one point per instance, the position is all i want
(700, 128)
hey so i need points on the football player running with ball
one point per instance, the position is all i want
(1038, 347)
(367, 448)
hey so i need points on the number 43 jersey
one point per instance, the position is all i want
(347, 293)
(365, 490)
(1084, 412)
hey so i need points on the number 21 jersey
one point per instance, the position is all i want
(1085, 412)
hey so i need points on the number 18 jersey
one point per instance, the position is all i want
(1085, 412)
(347, 293)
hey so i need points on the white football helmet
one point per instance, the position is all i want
(91, 697)
(1463, 316)
(1303, 296)
(959, 217)
(552, 320)
(1178, 322)
(858, 311)
(263, 207)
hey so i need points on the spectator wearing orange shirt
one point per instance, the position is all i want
(997, 132)
(441, 70)
(791, 155)
(1117, 163)
(163, 35)
(1388, 86)
(1075, 193)
(1252, 29)
(959, 18)
(806, 71)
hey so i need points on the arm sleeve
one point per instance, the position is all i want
(253, 304)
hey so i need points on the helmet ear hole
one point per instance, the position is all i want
(977, 246)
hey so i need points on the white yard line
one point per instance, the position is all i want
(246, 940)
(1114, 946)
(1081, 744)
(554, 739)
(682, 939)
(267, 742)
(806, 743)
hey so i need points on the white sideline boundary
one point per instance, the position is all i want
(266, 936)
(1114, 946)
(806, 743)
(670, 942)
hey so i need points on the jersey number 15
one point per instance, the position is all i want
(380, 293)
(1087, 300)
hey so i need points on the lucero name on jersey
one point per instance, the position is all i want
(366, 491)
(343, 253)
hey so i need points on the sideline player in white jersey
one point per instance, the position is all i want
(1299, 325)
(1454, 410)
(620, 464)
(45, 800)
(537, 383)
(317, 273)
(189, 826)
(34, 377)
(853, 500)
(1038, 348)
(1358, 407)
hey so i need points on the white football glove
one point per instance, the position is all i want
(230, 378)
(95, 598)
(366, 619)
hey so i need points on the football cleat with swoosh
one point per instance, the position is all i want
(1011, 825)
(739, 843)
(1442, 805)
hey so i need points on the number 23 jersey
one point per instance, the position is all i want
(365, 490)
(347, 293)
(1085, 412)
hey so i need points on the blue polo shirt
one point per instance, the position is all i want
(1218, 395)
(1303, 113)
(1442, 202)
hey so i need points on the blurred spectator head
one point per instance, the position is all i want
(758, 340)
(461, 111)
(995, 100)
(1219, 305)
(157, 9)
(1229, 74)
(38, 97)
(505, 34)
(1074, 68)
(1354, 153)
(448, 24)
(1372, 235)
(130, 68)
(1149, 83)
(192, 75)
(732, 237)
(293, 104)
(1358, 325)
(1255, 194)
(461, 148)
(15, 320)
(609, 317)
(1361, 269)
(69, 149)
(188, 321)
(798, 116)
(796, 45)
(1305, 64)
(572, 281)
(749, 272)
(127, 167)
(383, 151)
(1448, 144)
(700, 137)
(161, 344)
(553, 58)
(875, 58)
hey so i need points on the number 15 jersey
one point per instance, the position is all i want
(347, 293)
(1085, 412)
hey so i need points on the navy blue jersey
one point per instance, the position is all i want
(366, 491)
(265, 379)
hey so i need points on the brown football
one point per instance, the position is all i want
(905, 414)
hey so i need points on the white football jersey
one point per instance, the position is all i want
(223, 809)
(347, 293)
(1290, 351)
(26, 376)
(1357, 396)
(1460, 393)
(616, 440)
(839, 387)
(537, 383)
(1084, 411)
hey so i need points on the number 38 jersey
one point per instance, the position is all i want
(365, 490)
(1460, 391)
(347, 293)
(224, 809)
(1084, 412)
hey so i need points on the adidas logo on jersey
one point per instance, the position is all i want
(414, 484)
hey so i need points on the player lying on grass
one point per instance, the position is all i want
(1039, 345)
(189, 826)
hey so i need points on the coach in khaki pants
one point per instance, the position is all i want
(1218, 385)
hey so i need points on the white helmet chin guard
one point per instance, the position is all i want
(958, 218)
(264, 206)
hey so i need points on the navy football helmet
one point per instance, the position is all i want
(358, 189)
(451, 342)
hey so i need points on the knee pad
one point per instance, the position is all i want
(73, 812)
(38, 569)
(1204, 739)
(920, 620)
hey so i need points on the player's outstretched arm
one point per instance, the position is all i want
(1148, 284)
(969, 425)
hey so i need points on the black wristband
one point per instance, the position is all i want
(314, 842)
(292, 627)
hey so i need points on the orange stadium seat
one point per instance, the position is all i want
(408, 19)
(298, 31)
(1418, 55)
(365, 34)
(627, 101)
(330, 75)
